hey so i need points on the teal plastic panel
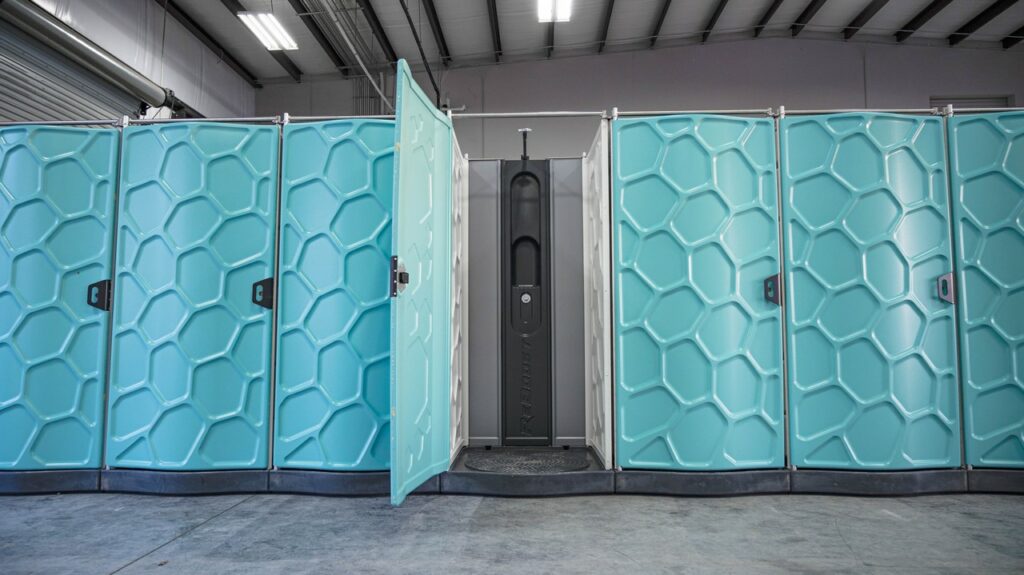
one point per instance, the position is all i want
(56, 206)
(331, 402)
(420, 315)
(987, 154)
(698, 348)
(871, 346)
(191, 351)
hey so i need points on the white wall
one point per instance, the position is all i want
(799, 74)
(133, 31)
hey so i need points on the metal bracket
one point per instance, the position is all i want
(263, 293)
(771, 289)
(399, 277)
(97, 295)
(946, 286)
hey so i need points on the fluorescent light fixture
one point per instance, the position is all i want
(554, 10)
(269, 31)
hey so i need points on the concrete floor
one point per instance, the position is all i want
(116, 533)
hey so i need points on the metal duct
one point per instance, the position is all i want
(41, 25)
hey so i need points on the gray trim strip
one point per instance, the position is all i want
(703, 483)
(917, 482)
(183, 482)
(995, 481)
(49, 481)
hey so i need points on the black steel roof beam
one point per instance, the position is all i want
(1014, 38)
(551, 38)
(604, 26)
(199, 32)
(318, 34)
(435, 27)
(661, 20)
(766, 18)
(806, 16)
(921, 19)
(714, 20)
(865, 15)
(234, 6)
(492, 13)
(378, 30)
(423, 54)
(986, 16)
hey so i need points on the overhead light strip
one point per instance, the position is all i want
(266, 27)
(554, 10)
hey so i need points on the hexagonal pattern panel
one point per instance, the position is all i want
(864, 216)
(191, 354)
(421, 321)
(336, 274)
(698, 349)
(987, 151)
(56, 212)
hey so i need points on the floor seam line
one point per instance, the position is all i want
(178, 536)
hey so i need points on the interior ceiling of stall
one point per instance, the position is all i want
(466, 27)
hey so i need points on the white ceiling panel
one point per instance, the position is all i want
(633, 20)
(741, 15)
(583, 31)
(1003, 25)
(467, 29)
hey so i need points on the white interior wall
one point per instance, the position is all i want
(799, 74)
(134, 32)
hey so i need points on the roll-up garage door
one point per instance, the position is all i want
(191, 346)
(41, 85)
(872, 356)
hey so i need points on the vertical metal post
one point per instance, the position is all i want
(281, 123)
(782, 288)
(951, 196)
(116, 187)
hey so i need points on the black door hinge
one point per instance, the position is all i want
(97, 295)
(263, 293)
(772, 293)
(399, 277)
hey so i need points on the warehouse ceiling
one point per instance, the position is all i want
(335, 35)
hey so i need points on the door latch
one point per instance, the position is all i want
(97, 295)
(772, 293)
(399, 277)
(263, 293)
(946, 285)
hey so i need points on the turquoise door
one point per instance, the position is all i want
(698, 346)
(191, 350)
(871, 344)
(420, 312)
(334, 323)
(56, 210)
(987, 153)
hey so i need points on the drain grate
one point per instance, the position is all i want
(526, 461)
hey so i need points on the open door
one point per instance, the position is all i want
(421, 282)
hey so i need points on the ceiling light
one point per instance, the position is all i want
(269, 31)
(554, 10)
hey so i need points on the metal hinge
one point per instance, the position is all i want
(772, 293)
(399, 277)
(263, 293)
(97, 295)
(946, 285)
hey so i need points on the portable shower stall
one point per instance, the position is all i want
(785, 302)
